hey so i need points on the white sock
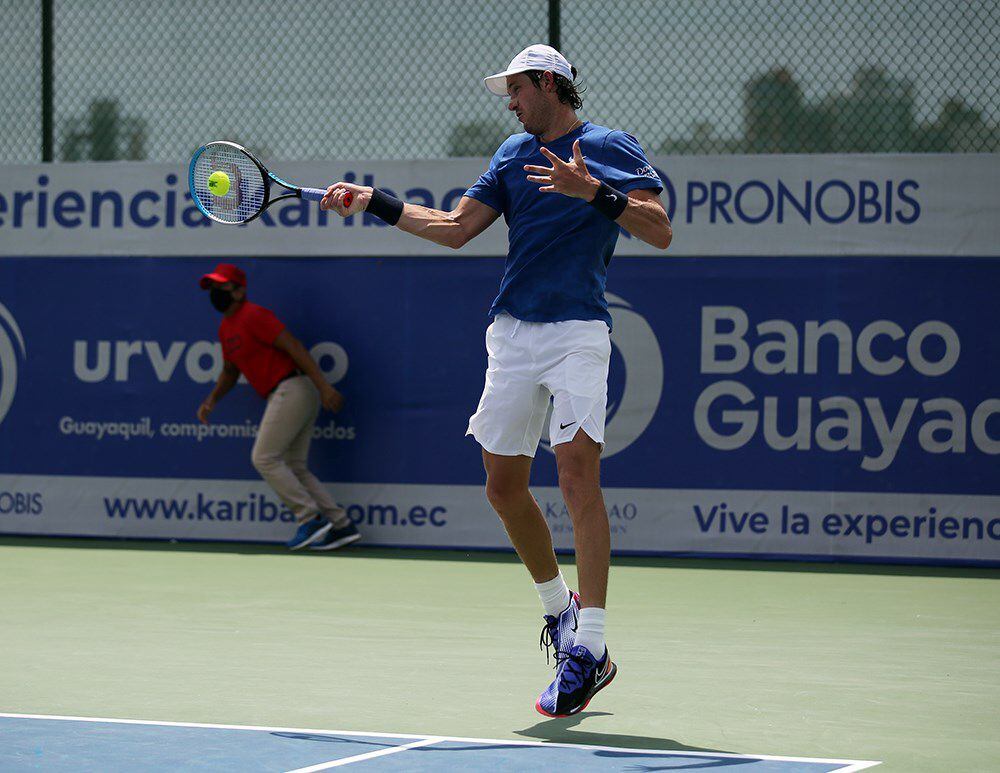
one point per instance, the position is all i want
(554, 595)
(590, 631)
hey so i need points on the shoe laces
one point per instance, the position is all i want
(576, 667)
(547, 639)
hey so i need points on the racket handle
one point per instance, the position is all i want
(315, 194)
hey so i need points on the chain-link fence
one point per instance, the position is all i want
(402, 79)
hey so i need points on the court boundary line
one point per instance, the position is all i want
(428, 741)
(850, 766)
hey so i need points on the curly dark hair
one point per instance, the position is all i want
(565, 89)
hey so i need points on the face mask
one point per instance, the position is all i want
(221, 299)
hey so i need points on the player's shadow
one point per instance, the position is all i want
(631, 760)
(351, 740)
(564, 731)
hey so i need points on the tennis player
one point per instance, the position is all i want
(281, 370)
(564, 186)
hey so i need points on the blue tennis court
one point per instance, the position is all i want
(32, 742)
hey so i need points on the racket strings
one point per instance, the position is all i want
(247, 188)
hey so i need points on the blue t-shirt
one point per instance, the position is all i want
(559, 246)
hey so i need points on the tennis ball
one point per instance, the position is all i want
(218, 183)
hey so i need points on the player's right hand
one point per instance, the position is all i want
(334, 198)
(204, 410)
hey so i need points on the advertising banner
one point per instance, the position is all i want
(763, 205)
(824, 407)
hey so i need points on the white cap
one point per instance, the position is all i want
(538, 57)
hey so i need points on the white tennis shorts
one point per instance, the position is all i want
(530, 362)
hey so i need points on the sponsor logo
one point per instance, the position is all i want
(21, 503)
(200, 361)
(636, 379)
(731, 413)
(11, 349)
(826, 201)
(605, 676)
(622, 516)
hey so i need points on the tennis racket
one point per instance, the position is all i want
(230, 185)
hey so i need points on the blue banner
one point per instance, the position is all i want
(788, 374)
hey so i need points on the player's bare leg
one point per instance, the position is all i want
(507, 491)
(579, 465)
(586, 666)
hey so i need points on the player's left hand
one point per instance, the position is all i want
(569, 178)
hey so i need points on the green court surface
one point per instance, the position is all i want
(896, 664)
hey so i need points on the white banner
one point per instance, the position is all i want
(917, 527)
(720, 205)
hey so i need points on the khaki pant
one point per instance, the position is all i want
(281, 451)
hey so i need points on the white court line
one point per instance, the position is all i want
(366, 756)
(850, 766)
(858, 765)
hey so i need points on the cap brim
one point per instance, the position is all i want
(497, 84)
(209, 278)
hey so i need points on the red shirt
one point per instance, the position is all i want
(248, 343)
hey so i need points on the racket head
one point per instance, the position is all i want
(248, 188)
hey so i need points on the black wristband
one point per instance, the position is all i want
(609, 202)
(385, 207)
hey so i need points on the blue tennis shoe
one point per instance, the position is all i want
(337, 538)
(579, 677)
(559, 631)
(309, 532)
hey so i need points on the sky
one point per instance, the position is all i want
(298, 80)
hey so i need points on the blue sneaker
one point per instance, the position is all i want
(309, 532)
(579, 677)
(561, 630)
(337, 538)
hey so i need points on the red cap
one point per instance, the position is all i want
(224, 272)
